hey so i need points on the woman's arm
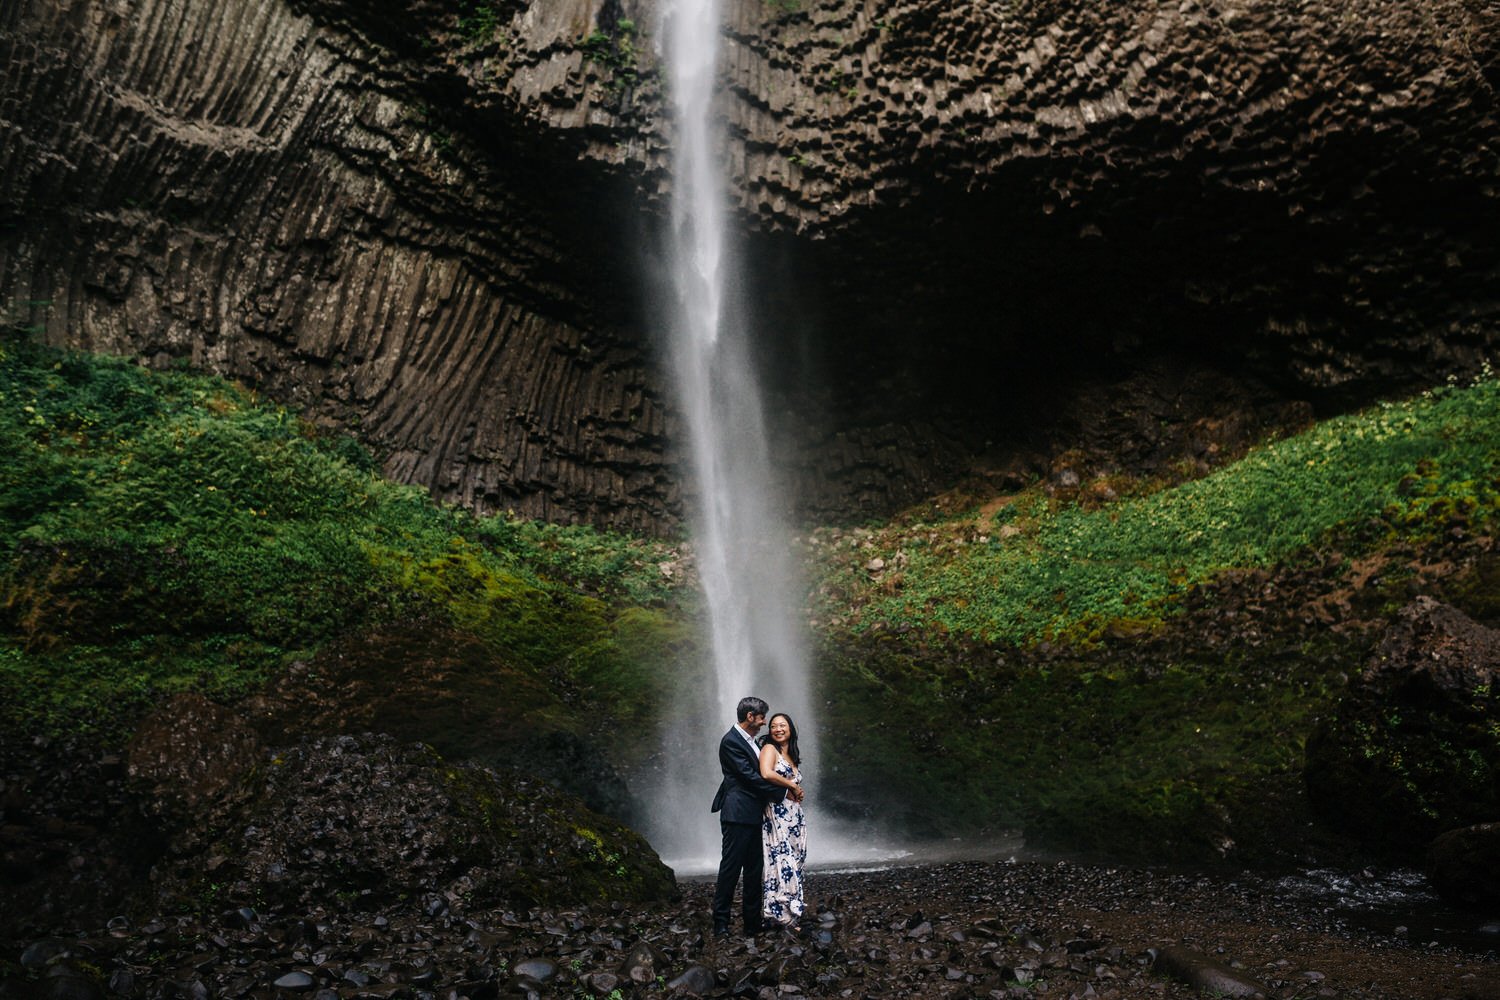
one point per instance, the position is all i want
(768, 757)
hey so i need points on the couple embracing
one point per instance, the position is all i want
(759, 803)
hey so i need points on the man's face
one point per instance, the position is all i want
(755, 723)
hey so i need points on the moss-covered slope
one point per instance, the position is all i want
(1133, 667)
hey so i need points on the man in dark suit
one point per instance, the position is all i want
(741, 803)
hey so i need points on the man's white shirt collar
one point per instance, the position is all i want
(748, 739)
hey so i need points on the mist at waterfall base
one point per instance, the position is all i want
(741, 545)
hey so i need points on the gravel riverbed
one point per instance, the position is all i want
(963, 930)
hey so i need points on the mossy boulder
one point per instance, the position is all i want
(366, 820)
(1413, 748)
(422, 681)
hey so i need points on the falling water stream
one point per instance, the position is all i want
(750, 584)
(751, 587)
(740, 545)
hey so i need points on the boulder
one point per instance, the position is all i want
(1412, 750)
(1203, 973)
(1464, 865)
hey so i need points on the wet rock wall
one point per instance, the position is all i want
(241, 187)
(977, 235)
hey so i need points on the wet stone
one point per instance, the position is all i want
(603, 983)
(298, 981)
(526, 987)
(39, 953)
(64, 983)
(695, 980)
(539, 969)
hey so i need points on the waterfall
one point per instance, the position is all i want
(741, 546)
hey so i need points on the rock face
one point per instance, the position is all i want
(447, 690)
(1412, 750)
(369, 817)
(428, 221)
(261, 189)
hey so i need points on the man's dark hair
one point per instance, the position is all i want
(749, 707)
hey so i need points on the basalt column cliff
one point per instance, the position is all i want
(981, 234)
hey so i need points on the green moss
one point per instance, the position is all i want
(166, 530)
(1060, 571)
(557, 850)
(1088, 753)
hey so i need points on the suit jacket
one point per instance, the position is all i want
(743, 793)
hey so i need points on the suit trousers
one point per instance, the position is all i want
(741, 856)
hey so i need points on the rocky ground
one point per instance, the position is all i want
(959, 930)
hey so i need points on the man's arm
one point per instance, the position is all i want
(744, 770)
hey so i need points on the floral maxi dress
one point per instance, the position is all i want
(784, 840)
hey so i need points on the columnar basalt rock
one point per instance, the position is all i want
(289, 202)
(428, 220)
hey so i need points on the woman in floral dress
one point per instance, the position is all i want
(784, 831)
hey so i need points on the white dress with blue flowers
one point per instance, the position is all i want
(784, 840)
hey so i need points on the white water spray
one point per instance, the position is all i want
(740, 543)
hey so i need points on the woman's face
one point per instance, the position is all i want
(781, 730)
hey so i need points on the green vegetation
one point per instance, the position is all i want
(479, 21)
(1041, 661)
(1397, 470)
(1121, 754)
(167, 531)
(1063, 666)
(615, 50)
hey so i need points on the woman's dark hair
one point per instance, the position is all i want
(792, 753)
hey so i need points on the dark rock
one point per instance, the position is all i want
(1203, 973)
(391, 822)
(604, 983)
(695, 980)
(1464, 865)
(190, 761)
(65, 981)
(296, 981)
(241, 918)
(1411, 751)
(39, 954)
(643, 963)
(540, 969)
